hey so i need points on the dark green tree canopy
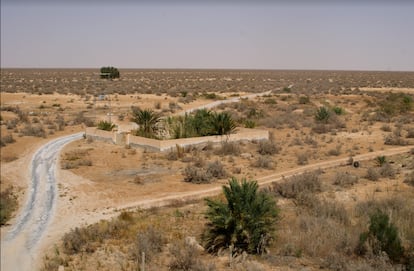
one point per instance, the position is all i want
(109, 73)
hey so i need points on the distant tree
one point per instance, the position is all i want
(245, 221)
(109, 73)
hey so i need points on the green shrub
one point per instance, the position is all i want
(380, 160)
(338, 110)
(245, 220)
(322, 114)
(249, 124)
(105, 125)
(381, 236)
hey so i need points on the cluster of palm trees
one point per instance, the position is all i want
(201, 123)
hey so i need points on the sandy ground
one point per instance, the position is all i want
(86, 196)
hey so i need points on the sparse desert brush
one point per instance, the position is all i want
(387, 170)
(409, 178)
(81, 119)
(186, 256)
(410, 133)
(33, 130)
(393, 139)
(149, 241)
(229, 148)
(345, 179)
(302, 158)
(336, 151)
(215, 169)
(295, 185)
(7, 139)
(268, 147)
(264, 161)
(386, 128)
(196, 175)
(373, 174)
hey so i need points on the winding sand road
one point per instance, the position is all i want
(19, 247)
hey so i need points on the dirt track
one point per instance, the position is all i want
(19, 247)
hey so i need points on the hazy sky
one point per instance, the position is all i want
(350, 35)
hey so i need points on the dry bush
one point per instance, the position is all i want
(229, 148)
(302, 158)
(323, 208)
(268, 147)
(81, 119)
(33, 130)
(387, 170)
(150, 241)
(318, 237)
(196, 175)
(336, 151)
(214, 169)
(264, 161)
(7, 139)
(87, 239)
(409, 178)
(386, 128)
(344, 179)
(410, 133)
(394, 139)
(52, 263)
(186, 257)
(373, 174)
(297, 184)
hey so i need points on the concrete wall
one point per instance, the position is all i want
(123, 138)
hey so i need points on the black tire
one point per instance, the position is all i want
(356, 164)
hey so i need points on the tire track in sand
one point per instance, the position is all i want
(19, 247)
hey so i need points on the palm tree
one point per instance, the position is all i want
(246, 221)
(147, 121)
(222, 123)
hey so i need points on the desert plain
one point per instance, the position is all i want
(113, 201)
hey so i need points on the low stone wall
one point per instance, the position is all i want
(124, 138)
